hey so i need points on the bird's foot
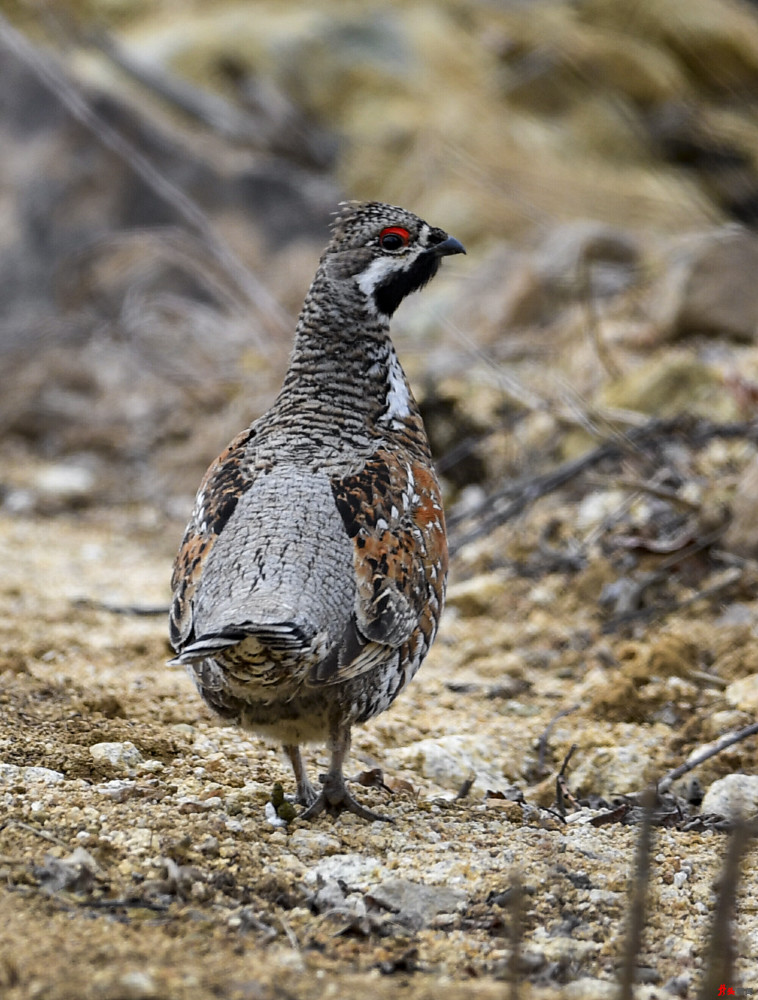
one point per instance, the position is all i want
(306, 795)
(334, 798)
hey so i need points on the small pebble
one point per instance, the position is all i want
(137, 985)
(743, 694)
(122, 756)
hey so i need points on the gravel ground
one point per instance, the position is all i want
(139, 859)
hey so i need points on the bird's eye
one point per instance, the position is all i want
(394, 238)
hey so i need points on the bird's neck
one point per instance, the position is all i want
(344, 369)
(343, 352)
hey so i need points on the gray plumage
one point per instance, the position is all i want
(310, 580)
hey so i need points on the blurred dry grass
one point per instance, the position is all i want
(511, 124)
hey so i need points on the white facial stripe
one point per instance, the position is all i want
(380, 269)
(375, 274)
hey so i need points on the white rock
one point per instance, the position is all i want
(140, 840)
(123, 756)
(596, 507)
(743, 694)
(151, 767)
(43, 774)
(119, 789)
(733, 797)
(65, 480)
(357, 870)
(475, 596)
(272, 818)
(417, 904)
(449, 761)
(137, 984)
(612, 770)
(312, 843)
(13, 774)
(590, 989)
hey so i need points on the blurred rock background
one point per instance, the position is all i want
(168, 176)
(168, 173)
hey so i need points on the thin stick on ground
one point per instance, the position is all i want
(516, 496)
(516, 934)
(719, 968)
(562, 790)
(665, 783)
(637, 894)
(542, 742)
(50, 837)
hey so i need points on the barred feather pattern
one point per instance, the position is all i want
(311, 578)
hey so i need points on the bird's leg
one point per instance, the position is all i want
(306, 793)
(334, 796)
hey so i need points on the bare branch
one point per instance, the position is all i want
(666, 781)
(637, 893)
(720, 961)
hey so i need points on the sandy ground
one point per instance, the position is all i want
(149, 869)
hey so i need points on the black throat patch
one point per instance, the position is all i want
(390, 293)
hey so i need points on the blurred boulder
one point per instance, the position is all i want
(579, 262)
(120, 323)
(670, 384)
(587, 258)
(741, 536)
(735, 797)
(709, 286)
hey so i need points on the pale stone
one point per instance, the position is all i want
(733, 797)
(313, 843)
(417, 904)
(743, 694)
(65, 481)
(475, 596)
(122, 756)
(14, 774)
(449, 761)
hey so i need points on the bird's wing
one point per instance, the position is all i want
(392, 512)
(220, 491)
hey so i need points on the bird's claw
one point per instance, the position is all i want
(334, 798)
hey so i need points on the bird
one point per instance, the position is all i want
(309, 584)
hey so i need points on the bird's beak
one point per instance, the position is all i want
(447, 247)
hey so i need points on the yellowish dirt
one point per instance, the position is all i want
(187, 891)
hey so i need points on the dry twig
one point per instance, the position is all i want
(720, 961)
(563, 793)
(637, 893)
(39, 833)
(666, 781)
(542, 742)
(515, 497)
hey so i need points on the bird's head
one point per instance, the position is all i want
(387, 251)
